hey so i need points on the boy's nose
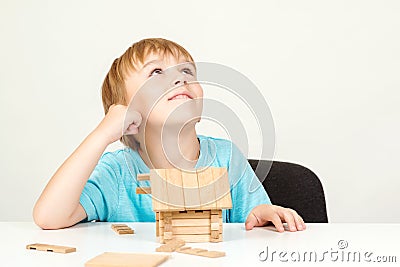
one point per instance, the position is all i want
(179, 81)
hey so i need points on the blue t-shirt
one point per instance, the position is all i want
(110, 193)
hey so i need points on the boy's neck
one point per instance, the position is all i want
(170, 147)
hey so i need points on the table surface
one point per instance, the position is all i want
(330, 243)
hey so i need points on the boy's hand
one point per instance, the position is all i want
(118, 122)
(263, 214)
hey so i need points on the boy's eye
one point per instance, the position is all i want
(187, 71)
(156, 72)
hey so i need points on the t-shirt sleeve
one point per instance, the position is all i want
(246, 189)
(99, 197)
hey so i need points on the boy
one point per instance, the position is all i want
(91, 185)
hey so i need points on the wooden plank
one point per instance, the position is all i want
(222, 188)
(194, 238)
(176, 199)
(50, 248)
(143, 190)
(214, 218)
(191, 190)
(159, 189)
(143, 177)
(167, 235)
(194, 230)
(206, 188)
(201, 252)
(171, 245)
(191, 230)
(188, 215)
(214, 226)
(190, 222)
(108, 259)
(217, 212)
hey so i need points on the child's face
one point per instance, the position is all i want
(163, 89)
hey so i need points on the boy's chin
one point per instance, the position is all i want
(173, 122)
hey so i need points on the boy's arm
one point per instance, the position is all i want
(58, 206)
(251, 202)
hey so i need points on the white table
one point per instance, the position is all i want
(242, 247)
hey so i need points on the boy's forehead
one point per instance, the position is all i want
(162, 58)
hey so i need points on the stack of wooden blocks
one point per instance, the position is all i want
(188, 205)
(190, 226)
(122, 229)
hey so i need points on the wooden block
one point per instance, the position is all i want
(191, 190)
(206, 188)
(198, 214)
(212, 254)
(201, 252)
(214, 218)
(157, 228)
(143, 190)
(143, 177)
(216, 212)
(118, 225)
(215, 234)
(159, 190)
(50, 248)
(171, 245)
(191, 222)
(122, 229)
(168, 227)
(215, 226)
(167, 235)
(197, 238)
(215, 240)
(176, 200)
(222, 188)
(113, 259)
(157, 216)
(191, 230)
(126, 232)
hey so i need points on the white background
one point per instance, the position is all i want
(328, 70)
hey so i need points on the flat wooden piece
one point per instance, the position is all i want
(222, 188)
(176, 200)
(122, 229)
(143, 177)
(171, 245)
(206, 188)
(198, 214)
(191, 222)
(201, 252)
(191, 190)
(118, 225)
(114, 259)
(50, 248)
(143, 190)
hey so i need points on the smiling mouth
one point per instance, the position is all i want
(180, 96)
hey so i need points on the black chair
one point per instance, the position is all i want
(293, 186)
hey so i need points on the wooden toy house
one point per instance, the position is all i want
(188, 204)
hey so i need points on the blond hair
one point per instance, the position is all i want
(113, 88)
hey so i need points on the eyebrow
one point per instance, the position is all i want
(156, 60)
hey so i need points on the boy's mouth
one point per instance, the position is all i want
(181, 95)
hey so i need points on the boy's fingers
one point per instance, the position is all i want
(132, 129)
(251, 221)
(297, 219)
(289, 219)
(276, 220)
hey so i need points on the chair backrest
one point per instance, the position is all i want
(294, 186)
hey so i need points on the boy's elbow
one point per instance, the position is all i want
(43, 220)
